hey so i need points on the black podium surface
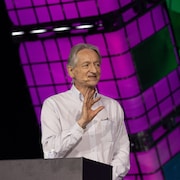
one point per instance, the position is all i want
(54, 169)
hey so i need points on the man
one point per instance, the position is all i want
(83, 123)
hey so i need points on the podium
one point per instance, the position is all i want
(54, 169)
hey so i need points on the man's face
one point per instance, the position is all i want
(86, 72)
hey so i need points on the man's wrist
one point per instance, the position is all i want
(81, 124)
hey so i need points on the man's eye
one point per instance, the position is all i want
(85, 65)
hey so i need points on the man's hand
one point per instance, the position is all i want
(87, 113)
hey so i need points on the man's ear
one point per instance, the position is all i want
(70, 71)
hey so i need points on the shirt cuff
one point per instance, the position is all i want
(78, 129)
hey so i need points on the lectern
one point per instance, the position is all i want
(54, 169)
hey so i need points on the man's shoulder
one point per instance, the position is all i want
(108, 98)
(59, 95)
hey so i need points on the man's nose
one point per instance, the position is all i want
(93, 68)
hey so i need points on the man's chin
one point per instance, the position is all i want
(92, 84)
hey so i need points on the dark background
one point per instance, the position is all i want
(20, 136)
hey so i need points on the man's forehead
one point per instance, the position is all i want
(87, 53)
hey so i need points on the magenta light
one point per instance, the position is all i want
(138, 124)
(146, 26)
(134, 36)
(108, 88)
(123, 66)
(26, 16)
(117, 42)
(109, 6)
(129, 88)
(87, 8)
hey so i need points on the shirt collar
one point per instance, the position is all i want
(78, 94)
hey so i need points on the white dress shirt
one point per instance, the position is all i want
(104, 139)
